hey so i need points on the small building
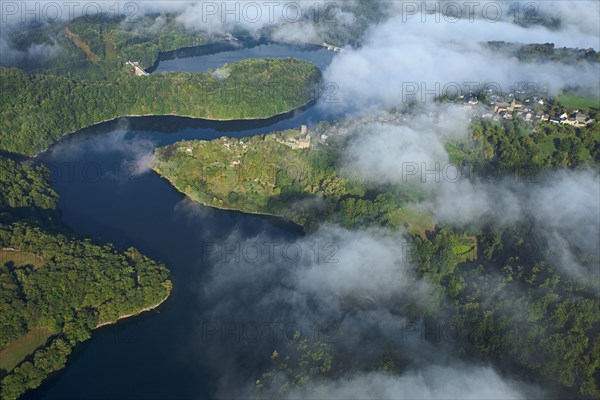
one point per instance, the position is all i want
(137, 69)
(300, 141)
(501, 107)
(230, 37)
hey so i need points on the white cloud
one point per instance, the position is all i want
(453, 381)
(403, 58)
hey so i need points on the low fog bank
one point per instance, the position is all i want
(403, 61)
(454, 381)
(405, 26)
(564, 206)
(137, 152)
(364, 287)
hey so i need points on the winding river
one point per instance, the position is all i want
(107, 194)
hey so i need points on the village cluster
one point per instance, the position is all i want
(495, 108)
(531, 108)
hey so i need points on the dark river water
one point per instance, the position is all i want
(314, 54)
(106, 195)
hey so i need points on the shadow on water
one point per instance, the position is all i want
(166, 124)
(207, 49)
(230, 51)
(13, 156)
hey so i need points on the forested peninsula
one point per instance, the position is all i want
(57, 287)
(36, 110)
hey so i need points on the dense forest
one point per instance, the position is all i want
(558, 333)
(140, 39)
(25, 191)
(37, 110)
(281, 174)
(340, 32)
(56, 286)
(97, 48)
(548, 325)
(512, 146)
(546, 52)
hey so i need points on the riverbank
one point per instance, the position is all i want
(259, 122)
(236, 174)
(143, 310)
(225, 208)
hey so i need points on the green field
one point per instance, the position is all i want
(466, 249)
(577, 101)
(20, 258)
(548, 148)
(16, 351)
(416, 222)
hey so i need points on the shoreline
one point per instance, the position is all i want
(135, 314)
(223, 45)
(264, 214)
(121, 317)
(302, 107)
(224, 208)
